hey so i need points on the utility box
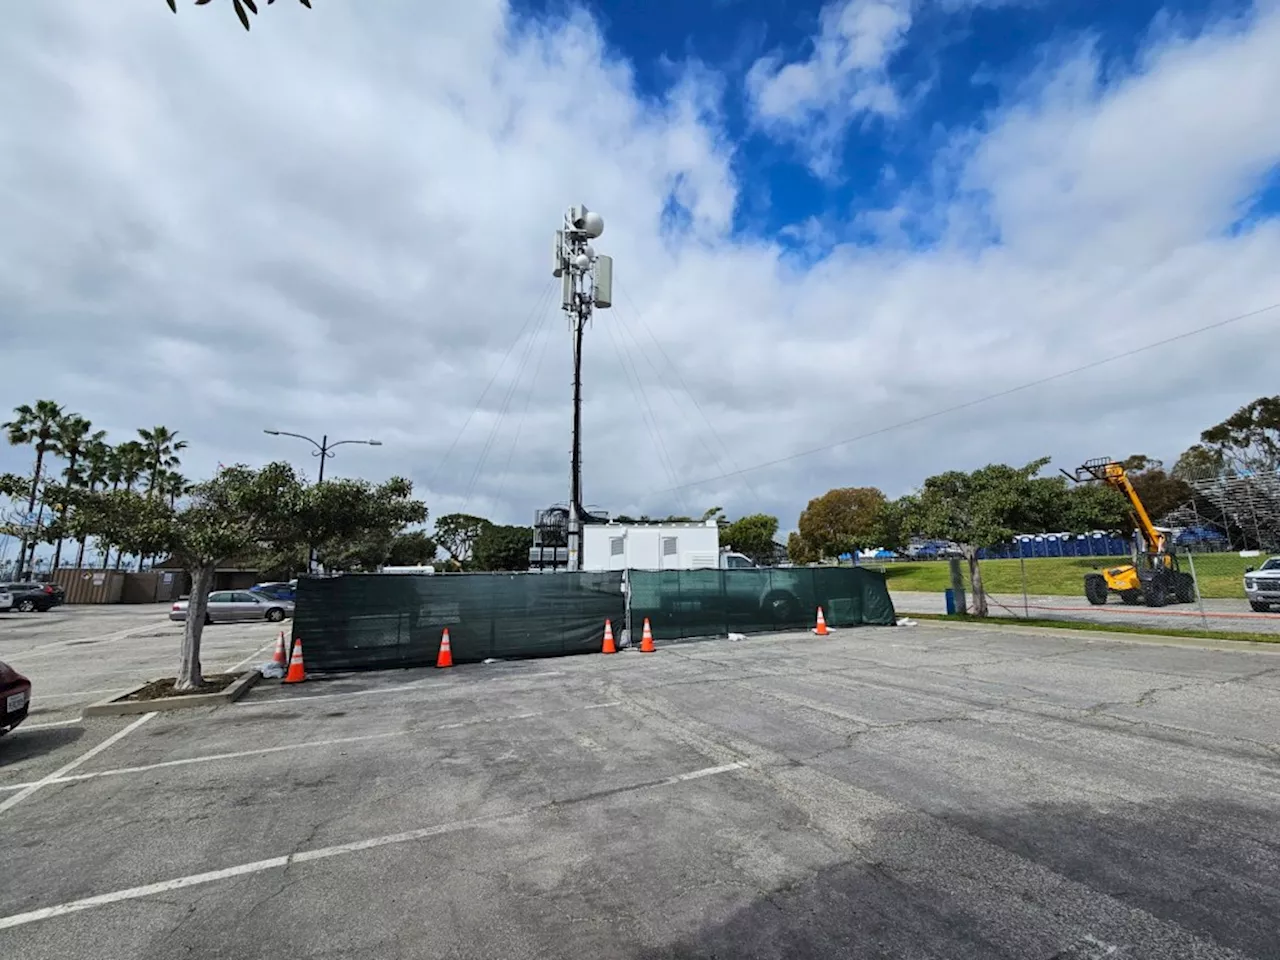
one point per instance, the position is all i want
(604, 282)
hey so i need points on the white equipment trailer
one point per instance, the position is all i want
(656, 546)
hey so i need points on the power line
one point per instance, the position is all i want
(533, 387)
(538, 307)
(728, 456)
(634, 381)
(506, 404)
(985, 399)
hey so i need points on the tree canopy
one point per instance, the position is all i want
(500, 547)
(843, 520)
(457, 533)
(1248, 441)
(752, 535)
(269, 516)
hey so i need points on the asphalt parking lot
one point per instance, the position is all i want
(936, 791)
(1232, 615)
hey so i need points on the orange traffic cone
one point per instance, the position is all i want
(646, 638)
(445, 657)
(821, 628)
(608, 639)
(280, 656)
(296, 672)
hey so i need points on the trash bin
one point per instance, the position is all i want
(951, 601)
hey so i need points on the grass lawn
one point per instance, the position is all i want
(1102, 627)
(1220, 574)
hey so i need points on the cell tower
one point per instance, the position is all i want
(586, 283)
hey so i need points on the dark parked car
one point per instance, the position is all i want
(30, 596)
(277, 590)
(15, 697)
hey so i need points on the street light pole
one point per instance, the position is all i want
(323, 450)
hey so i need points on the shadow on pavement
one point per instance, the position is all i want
(1191, 864)
(23, 744)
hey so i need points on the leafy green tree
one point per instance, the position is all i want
(1248, 441)
(752, 535)
(1197, 462)
(36, 426)
(457, 533)
(843, 520)
(412, 549)
(1094, 506)
(268, 515)
(500, 547)
(242, 7)
(986, 508)
(798, 549)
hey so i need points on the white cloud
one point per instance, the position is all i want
(845, 76)
(339, 222)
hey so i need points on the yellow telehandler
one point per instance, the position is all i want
(1157, 578)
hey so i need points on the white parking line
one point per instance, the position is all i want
(75, 777)
(321, 853)
(105, 638)
(251, 657)
(78, 693)
(21, 795)
(291, 700)
(52, 723)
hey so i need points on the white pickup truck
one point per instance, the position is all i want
(1262, 586)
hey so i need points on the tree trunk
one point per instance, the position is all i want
(975, 581)
(62, 514)
(190, 676)
(35, 538)
(31, 505)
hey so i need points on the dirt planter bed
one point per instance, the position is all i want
(219, 688)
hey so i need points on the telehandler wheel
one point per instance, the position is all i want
(1131, 597)
(1184, 588)
(1095, 588)
(1156, 592)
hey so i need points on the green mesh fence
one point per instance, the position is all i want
(381, 621)
(697, 603)
(384, 621)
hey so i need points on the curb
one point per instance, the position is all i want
(1160, 639)
(115, 706)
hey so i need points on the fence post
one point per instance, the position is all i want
(1022, 563)
(1195, 582)
(626, 592)
(957, 584)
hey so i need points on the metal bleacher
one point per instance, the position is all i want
(1247, 504)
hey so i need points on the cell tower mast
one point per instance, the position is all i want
(586, 283)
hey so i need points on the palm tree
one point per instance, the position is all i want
(130, 464)
(34, 425)
(73, 435)
(162, 447)
(175, 485)
(97, 471)
(133, 462)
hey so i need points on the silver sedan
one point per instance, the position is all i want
(229, 605)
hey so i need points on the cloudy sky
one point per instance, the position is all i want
(828, 220)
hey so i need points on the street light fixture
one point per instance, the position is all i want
(323, 448)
